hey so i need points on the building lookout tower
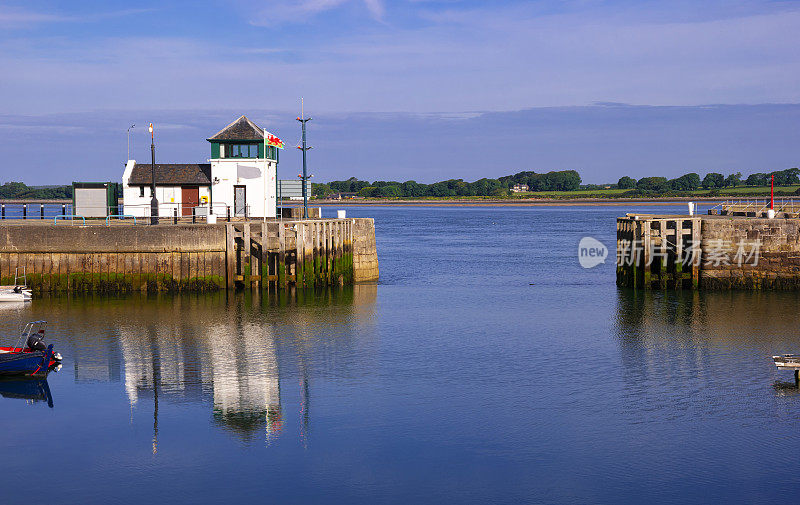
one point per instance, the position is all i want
(243, 168)
(239, 180)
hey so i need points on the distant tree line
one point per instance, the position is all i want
(565, 180)
(712, 181)
(18, 190)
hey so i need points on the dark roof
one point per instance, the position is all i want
(171, 174)
(241, 129)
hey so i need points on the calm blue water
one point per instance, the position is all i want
(486, 367)
(34, 211)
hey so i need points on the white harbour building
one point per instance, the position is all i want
(240, 178)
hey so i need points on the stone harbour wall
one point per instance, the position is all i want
(191, 258)
(750, 253)
(365, 251)
(708, 252)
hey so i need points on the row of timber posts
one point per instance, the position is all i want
(279, 254)
(658, 253)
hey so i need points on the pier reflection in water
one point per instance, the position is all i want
(495, 370)
(229, 353)
(715, 343)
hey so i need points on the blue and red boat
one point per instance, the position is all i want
(31, 357)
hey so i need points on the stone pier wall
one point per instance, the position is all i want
(778, 256)
(708, 252)
(114, 259)
(202, 257)
(365, 251)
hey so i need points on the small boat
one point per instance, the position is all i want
(35, 359)
(787, 362)
(15, 294)
(19, 292)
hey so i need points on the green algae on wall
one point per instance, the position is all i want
(120, 259)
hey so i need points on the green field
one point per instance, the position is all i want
(580, 193)
(750, 190)
(742, 191)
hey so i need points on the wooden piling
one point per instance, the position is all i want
(246, 254)
(282, 281)
(679, 239)
(300, 254)
(264, 262)
(657, 252)
(230, 256)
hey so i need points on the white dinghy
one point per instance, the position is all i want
(19, 292)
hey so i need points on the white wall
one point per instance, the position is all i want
(237, 172)
(169, 197)
(133, 204)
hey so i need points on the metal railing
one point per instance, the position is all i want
(24, 277)
(119, 216)
(169, 213)
(68, 218)
(28, 210)
(757, 206)
(176, 213)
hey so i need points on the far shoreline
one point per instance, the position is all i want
(521, 202)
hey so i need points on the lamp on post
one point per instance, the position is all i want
(154, 200)
(131, 127)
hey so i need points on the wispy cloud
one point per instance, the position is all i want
(602, 142)
(11, 17)
(283, 11)
(376, 8)
(475, 58)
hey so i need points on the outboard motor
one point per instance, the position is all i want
(36, 342)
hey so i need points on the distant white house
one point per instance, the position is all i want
(239, 179)
(519, 188)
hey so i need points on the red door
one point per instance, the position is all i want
(190, 198)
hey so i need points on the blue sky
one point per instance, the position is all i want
(405, 89)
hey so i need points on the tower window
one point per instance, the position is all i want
(241, 151)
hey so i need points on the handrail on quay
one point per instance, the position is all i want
(755, 206)
(71, 218)
(120, 216)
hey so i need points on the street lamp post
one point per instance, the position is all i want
(131, 127)
(154, 200)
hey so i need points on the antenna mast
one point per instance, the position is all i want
(304, 147)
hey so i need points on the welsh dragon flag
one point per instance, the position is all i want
(272, 140)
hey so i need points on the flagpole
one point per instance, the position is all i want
(265, 174)
(271, 140)
(277, 190)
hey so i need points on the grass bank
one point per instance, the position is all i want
(581, 197)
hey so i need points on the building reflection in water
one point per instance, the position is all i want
(222, 350)
(245, 379)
